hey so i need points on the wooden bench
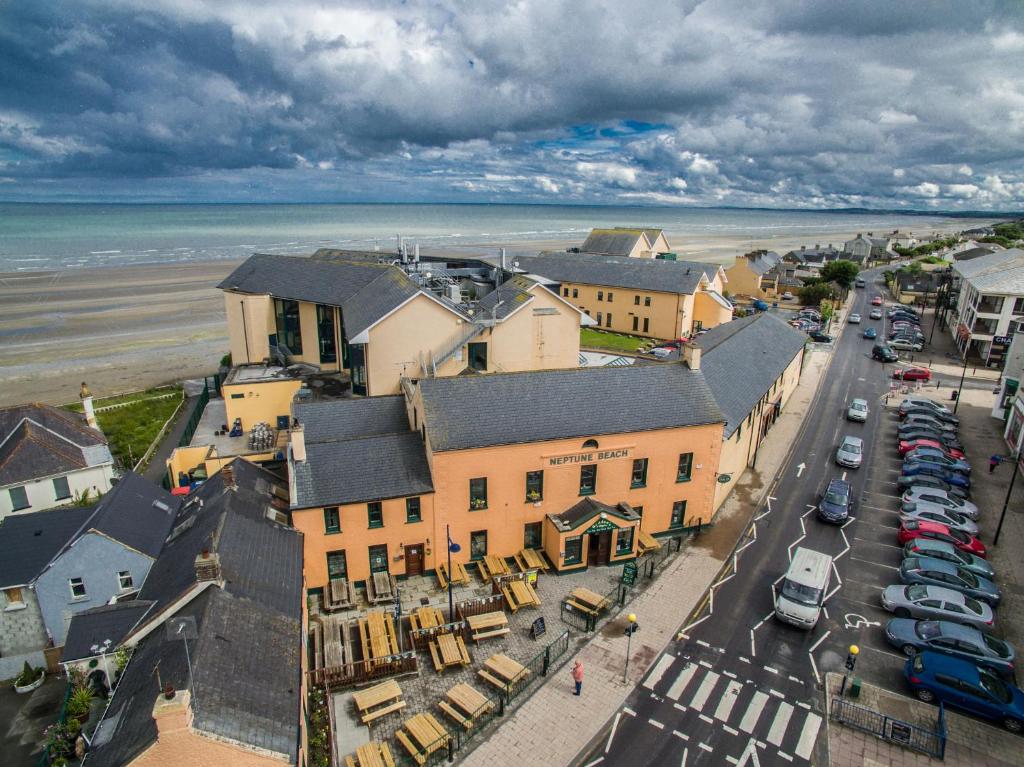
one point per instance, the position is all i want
(372, 754)
(457, 575)
(486, 576)
(487, 625)
(487, 676)
(428, 734)
(339, 594)
(435, 656)
(414, 752)
(478, 635)
(377, 713)
(582, 607)
(520, 594)
(453, 713)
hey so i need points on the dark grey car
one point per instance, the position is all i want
(939, 603)
(936, 572)
(927, 547)
(911, 637)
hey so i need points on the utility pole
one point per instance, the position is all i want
(1009, 494)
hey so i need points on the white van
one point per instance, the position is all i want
(803, 588)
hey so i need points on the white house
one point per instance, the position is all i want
(49, 457)
(990, 306)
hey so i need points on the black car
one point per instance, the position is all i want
(883, 353)
(822, 338)
(835, 504)
(913, 433)
(939, 415)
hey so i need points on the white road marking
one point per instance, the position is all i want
(794, 679)
(679, 706)
(627, 710)
(686, 753)
(877, 543)
(771, 670)
(777, 694)
(727, 701)
(658, 671)
(682, 735)
(596, 761)
(611, 734)
(844, 475)
(807, 736)
(706, 686)
(875, 564)
(810, 654)
(706, 747)
(705, 718)
(785, 756)
(656, 723)
(705, 664)
(753, 712)
(702, 643)
(731, 730)
(804, 705)
(779, 724)
(730, 675)
(745, 660)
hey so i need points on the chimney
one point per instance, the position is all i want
(691, 356)
(173, 715)
(503, 259)
(298, 444)
(90, 415)
(228, 472)
(207, 566)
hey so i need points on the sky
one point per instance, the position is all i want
(778, 103)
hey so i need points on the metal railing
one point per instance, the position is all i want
(196, 415)
(910, 736)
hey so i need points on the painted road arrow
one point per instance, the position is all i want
(800, 469)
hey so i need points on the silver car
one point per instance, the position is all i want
(850, 452)
(905, 344)
(923, 402)
(937, 603)
(876, 314)
(853, 319)
(934, 497)
(858, 410)
(924, 512)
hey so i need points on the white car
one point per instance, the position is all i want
(928, 513)
(787, 296)
(854, 319)
(876, 314)
(928, 496)
(857, 411)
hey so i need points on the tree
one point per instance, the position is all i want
(813, 295)
(841, 272)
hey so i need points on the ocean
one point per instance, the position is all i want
(60, 236)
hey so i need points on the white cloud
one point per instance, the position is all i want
(962, 190)
(612, 172)
(926, 189)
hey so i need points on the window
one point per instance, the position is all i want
(532, 535)
(647, 324)
(19, 498)
(590, 444)
(478, 545)
(588, 479)
(375, 514)
(478, 493)
(636, 300)
(61, 489)
(678, 514)
(647, 300)
(124, 580)
(332, 520)
(565, 292)
(573, 551)
(412, 510)
(600, 295)
(478, 356)
(610, 294)
(624, 541)
(599, 319)
(739, 432)
(534, 485)
(636, 323)
(15, 599)
(685, 467)
(639, 511)
(575, 293)
(77, 588)
(608, 320)
(325, 333)
(289, 328)
(379, 558)
(337, 565)
(639, 478)
(1018, 306)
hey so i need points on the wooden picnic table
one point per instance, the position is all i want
(372, 754)
(590, 598)
(428, 735)
(531, 559)
(377, 635)
(426, 618)
(382, 585)
(376, 701)
(646, 542)
(496, 565)
(464, 704)
(458, 574)
(487, 625)
(449, 650)
(503, 666)
(520, 594)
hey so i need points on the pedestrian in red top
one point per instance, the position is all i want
(993, 462)
(577, 676)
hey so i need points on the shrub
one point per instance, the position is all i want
(79, 702)
(28, 675)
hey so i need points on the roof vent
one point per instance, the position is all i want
(207, 567)
(162, 506)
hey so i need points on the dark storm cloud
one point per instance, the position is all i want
(721, 102)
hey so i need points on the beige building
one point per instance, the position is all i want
(654, 298)
(626, 242)
(755, 274)
(376, 323)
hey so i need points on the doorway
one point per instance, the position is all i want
(599, 549)
(414, 559)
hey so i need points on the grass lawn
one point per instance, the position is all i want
(131, 429)
(599, 339)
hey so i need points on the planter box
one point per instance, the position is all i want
(31, 685)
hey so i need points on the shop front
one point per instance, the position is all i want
(591, 533)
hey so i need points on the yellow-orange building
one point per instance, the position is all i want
(755, 274)
(564, 461)
(629, 242)
(648, 297)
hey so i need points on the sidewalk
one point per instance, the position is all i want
(553, 727)
(157, 468)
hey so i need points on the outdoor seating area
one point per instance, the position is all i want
(371, 754)
(587, 601)
(646, 542)
(503, 672)
(531, 559)
(518, 594)
(464, 704)
(421, 736)
(458, 575)
(380, 588)
(340, 595)
(374, 702)
(488, 625)
(377, 636)
(448, 650)
(492, 566)
(425, 618)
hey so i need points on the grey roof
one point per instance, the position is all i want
(611, 242)
(972, 253)
(1001, 272)
(588, 508)
(510, 408)
(340, 420)
(38, 440)
(246, 656)
(506, 298)
(742, 359)
(762, 261)
(681, 277)
(105, 624)
(366, 469)
(136, 513)
(30, 541)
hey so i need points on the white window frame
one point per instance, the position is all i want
(121, 576)
(71, 586)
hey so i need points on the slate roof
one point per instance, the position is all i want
(340, 420)
(137, 513)
(99, 624)
(681, 277)
(38, 440)
(511, 408)
(762, 261)
(741, 360)
(29, 541)
(972, 253)
(612, 242)
(588, 508)
(366, 469)
(1001, 272)
(246, 657)
(506, 298)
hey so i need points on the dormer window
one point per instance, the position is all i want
(590, 444)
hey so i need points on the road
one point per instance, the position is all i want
(741, 687)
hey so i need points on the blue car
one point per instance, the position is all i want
(836, 503)
(870, 333)
(963, 685)
(937, 457)
(918, 468)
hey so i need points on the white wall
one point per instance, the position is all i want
(41, 493)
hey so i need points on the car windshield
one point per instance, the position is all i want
(917, 592)
(973, 605)
(998, 646)
(851, 447)
(927, 629)
(836, 498)
(967, 577)
(807, 595)
(994, 687)
(858, 406)
(959, 537)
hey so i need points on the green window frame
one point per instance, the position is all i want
(678, 514)
(624, 541)
(588, 479)
(684, 472)
(478, 493)
(61, 488)
(378, 558)
(375, 514)
(534, 486)
(573, 550)
(477, 545)
(19, 498)
(532, 535)
(332, 520)
(639, 476)
(337, 565)
(288, 324)
(413, 511)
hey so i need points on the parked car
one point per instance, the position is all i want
(924, 402)
(941, 498)
(854, 319)
(922, 419)
(850, 452)
(905, 411)
(924, 512)
(949, 442)
(927, 547)
(928, 429)
(876, 314)
(787, 296)
(937, 603)
(905, 483)
(761, 306)
(906, 445)
(912, 529)
(913, 469)
(857, 411)
(913, 374)
(911, 636)
(883, 353)
(905, 310)
(822, 338)
(835, 505)
(964, 685)
(906, 345)
(936, 572)
(870, 333)
(938, 458)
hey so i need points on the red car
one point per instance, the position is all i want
(876, 301)
(906, 446)
(920, 528)
(913, 374)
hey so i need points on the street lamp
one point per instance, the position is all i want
(456, 548)
(851, 663)
(1009, 492)
(630, 630)
(963, 374)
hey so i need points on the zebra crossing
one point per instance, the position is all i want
(685, 690)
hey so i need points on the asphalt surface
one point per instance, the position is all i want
(740, 681)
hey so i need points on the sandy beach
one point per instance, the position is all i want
(127, 328)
